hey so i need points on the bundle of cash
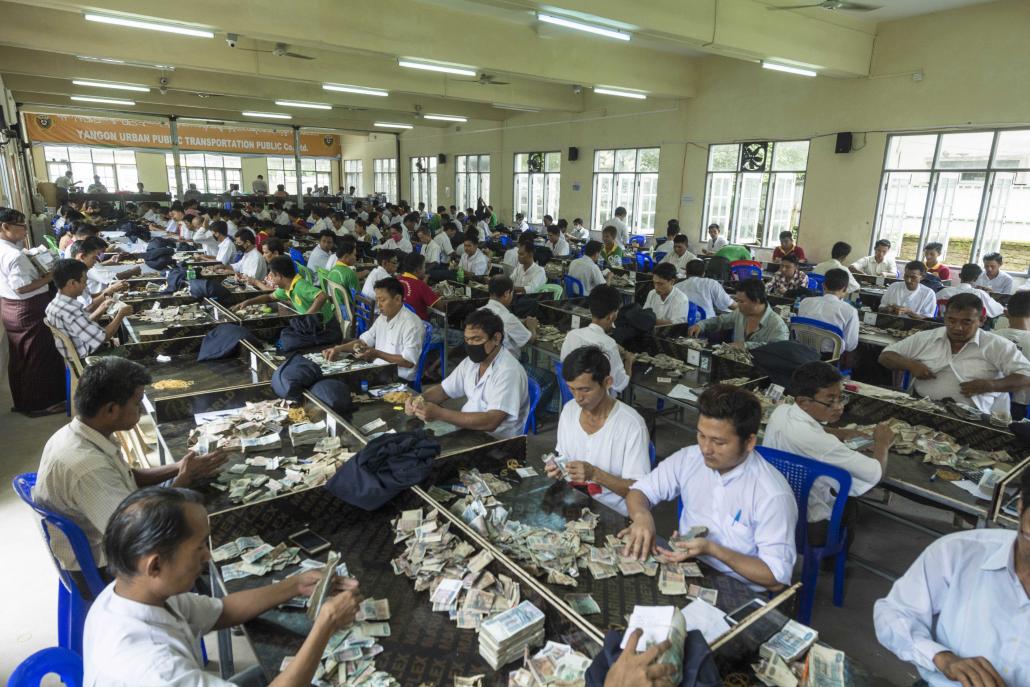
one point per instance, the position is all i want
(696, 344)
(736, 353)
(307, 433)
(557, 460)
(790, 642)
(671, 581)
(256, 557)
(774, 672)
(177, 314)
(583, 604)
(664, 362)
(555, 664)
(252, 312)
(324, 586)
(679, 542)
(658, 623)
(826, 667)
(504, 637)
(546, 333)
(696, 591)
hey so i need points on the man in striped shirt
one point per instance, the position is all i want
(66, 314)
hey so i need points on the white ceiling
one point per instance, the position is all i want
(895, 9)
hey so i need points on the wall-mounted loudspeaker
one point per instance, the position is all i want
(573, 153)
(441, 158)
(843, 142)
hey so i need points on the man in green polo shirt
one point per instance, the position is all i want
(734, 252)
(343, 272)
(305, 297)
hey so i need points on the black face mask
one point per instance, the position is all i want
(476, 352)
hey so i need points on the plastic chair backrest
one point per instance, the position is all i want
(658, 257)
(410, 307)
(323, 275)
(574, 287)
(23, 485)
(341, 299)
(815, 333)
(745, 269)
(51, 242)
(65, 663)
(652, 455)
(644, 262)
(693, 313)
(71, 355)
(639, 240)
(815, 281)
(504, 240)
(563, 386)
(534, 399)
(298, 256)
(426, 345)
(801, 472)
(305, 272)
(364, 312)
(554, 289)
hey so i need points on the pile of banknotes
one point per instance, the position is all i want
(504, 637)
(175, 314)
(249, 480)
(783, 660)
(556, 664)
(546, 333)
(257, 558)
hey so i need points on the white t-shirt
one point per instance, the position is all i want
(1021, 338)
(515, 333)
(504, 387)
(252, 264)
(320, 259)
(993, 307)
(432, 253)
(403, 335)
(674, 308)
(511, 256)
(827, 265)
(713, 245)
(621, 230)
(530, 279)
(586, 271)
(477, 264)
(707, 294)
(832, 310)
(680, 261)
(368, 288)
(868, 265)
(444, 243)
(922, 301)
(620, 447)
(559, 248)
(594, 335)
(403, 245)
(226, 251)
(1001, 284)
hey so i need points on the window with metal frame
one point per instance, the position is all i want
(352, 176)
(384, 176)
(211, 172)
(472, 180)
(968, 190)
(626, 178)
(314, 172)
(537, 184)
(116, 168)
(423, 181)
(754, 190)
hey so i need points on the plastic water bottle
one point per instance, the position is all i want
(364, 386)
(797, 302)
(461, 275)
(191, 273)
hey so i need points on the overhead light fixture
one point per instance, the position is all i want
(581, 26)
(517, 108)
(777, 67)
(105, 60)
(111, 60)
(149, 25)
(105, 101)
(360, 90)
(267, 115)
(445, 118)
(393, 125)
(437, 67)
(113, 86)
(297, 103)
(636, 95)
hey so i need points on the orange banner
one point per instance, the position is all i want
(137, 133)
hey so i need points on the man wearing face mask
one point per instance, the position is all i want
(490, 379)
(960, 612)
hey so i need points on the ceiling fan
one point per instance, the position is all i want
(832, 5)
(280, 49)
(485, 79)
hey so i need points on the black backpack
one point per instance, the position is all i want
(778, 360)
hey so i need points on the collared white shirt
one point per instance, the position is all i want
(1021, 338)
(827, 265)
(832, 310)
(579, 232)
(986, 356)
(16, 271)
(444, 242)
(620, 447)
(503, 387)
(680, 261)
(319, 258)
(283, 218)
(674, 308)
(478, 264)
(64, 182)
(594, 335)
(231, 228)
(403, 336)
(707, 294)
(252, 264)
(993, 307)
(586, 271)
(511, 256)
(226, 251)
(715, 244)
(403, 245)
(793, 430)
(922, 301)
(348, 225)
(523, 225)
(559, 248)
(961, 595)
(373, 231)
(868, 265)
(1001, 284)
(82, 476)
(131, 644)
(368, 288)
(530, 279)
(515, 333)
(750, 509)
(259, 186)
(621, 230)
(207, 241)
(432, 253)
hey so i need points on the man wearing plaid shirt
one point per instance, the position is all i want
(66, 314)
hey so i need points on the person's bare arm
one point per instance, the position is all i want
(641, 532)
(581, 471)
(486, 421)
(116, 323)
(263, 298)
(316, 305)
(749, 567)
(896, 361)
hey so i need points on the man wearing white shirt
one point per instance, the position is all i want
(802, 428)
(324, 254)
(619, 222)
(492, 381)
(443, 239)
(910, 297)
(832, 309)
(347, 222)
(520, 222)
(578, 231)
(398, 241)
(715, 242)
(199, 232)
(97, 186)
(706, 293)
(259, 186)
(66, 182)
(585, 268)
(669, 304)
(511, 256)
(879, 264)
(604, 303)
(993, 279)
(473, 261)
(1017, 312)
(968, 275)
(428, 248)
(226, 247)
(516, 334)
(145, 628)
(396, 336)
(388, 262)
(745, 502)
(527, 276)
(605, 440)
(960, 612)
(556, 242)
(961, 362)
(253, 263)
(282, 217)
(152, 214)
(838, 252)
(679, 256)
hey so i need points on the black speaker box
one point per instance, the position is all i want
(441, 158)
(843, 142)
(573, 153)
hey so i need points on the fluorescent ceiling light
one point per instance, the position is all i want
(149, 25)
(360, 90)
(603, 90)
(267, 115)
(580, 26)
(437, 67)
(445, 118)
(113, 86)
(775, 66)
(111, 60)
(297, 103)
(393, 125)
(106, 60)
(106, 101)
(517, 108)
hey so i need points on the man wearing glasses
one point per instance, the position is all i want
(819, 400)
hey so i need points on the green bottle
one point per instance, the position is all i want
(191, 273)
(461, 275)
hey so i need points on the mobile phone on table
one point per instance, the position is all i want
(309, 542)
(737, 615)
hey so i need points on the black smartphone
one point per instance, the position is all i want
(309, 542)
(735, 616)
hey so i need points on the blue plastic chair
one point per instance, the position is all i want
(743, 272)
(814, 333)
(364, 313)
(658, 257)
(801, 473)
(639, 240)
(71, 607)
(644, 262)
(574, 287)
(563, 387)
(534, 399)
(504, 240)
(67, 665)
(298, 256)
(815, 282)
(652, 456)
(693, 313)
(428, 346)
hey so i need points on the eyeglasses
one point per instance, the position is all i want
(836, 403)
